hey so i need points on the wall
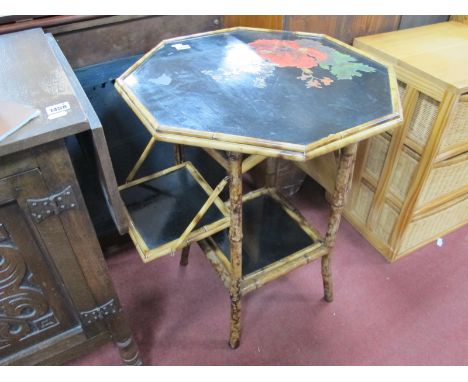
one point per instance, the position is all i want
(94, 41)
(345, 28)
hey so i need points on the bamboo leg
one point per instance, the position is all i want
(271, 172)
(343, 181)
(142, 158)
(235, 239)
(179, 158)
(184, 256)
(178, 154)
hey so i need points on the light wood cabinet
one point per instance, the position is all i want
(410, 186)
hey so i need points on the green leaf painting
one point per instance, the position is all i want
(302, 54)
(341, 65)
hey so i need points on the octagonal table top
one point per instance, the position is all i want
(274, 93)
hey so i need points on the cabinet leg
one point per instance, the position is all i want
(184, 256)
(122, 337)
(343, 183)
(56, 165)
(235, 241)
(129, 352)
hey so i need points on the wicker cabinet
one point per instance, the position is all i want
(411, 184)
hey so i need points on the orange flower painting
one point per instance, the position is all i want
(318, 65)
(286, 53)
(307, 54)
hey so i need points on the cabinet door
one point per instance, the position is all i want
(35, 302)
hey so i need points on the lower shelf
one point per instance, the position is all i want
(276, 240)
(162, 205)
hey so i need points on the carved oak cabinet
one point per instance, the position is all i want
(56, 297)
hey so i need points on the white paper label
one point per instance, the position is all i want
(180, 46)
(58, 110)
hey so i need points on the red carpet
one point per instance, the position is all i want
(412, 312)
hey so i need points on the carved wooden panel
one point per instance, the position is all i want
(24, 310)
(33, 305)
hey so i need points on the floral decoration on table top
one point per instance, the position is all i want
(304, 54)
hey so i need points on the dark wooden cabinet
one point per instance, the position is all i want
(35, 303)
(56, 296)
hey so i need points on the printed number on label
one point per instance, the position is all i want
(58, 110)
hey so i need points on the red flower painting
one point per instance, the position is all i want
(286, 53)
(309, 57)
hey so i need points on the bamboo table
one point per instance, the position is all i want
(260, 94)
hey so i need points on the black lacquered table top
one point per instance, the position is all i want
(275, 86)
(269, 235)
(163, 207)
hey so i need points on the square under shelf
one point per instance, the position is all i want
(274, 234)
(162, 205)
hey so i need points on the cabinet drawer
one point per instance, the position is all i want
(402, 87)
(446, 177)
(365, 194)
(402, 173)
(426, 110)
(377, 154)
(434, 224)
(386, 220)
(456, 131)
(423, 119)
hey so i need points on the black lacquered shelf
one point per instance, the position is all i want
(162, 205)
(274, 233)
